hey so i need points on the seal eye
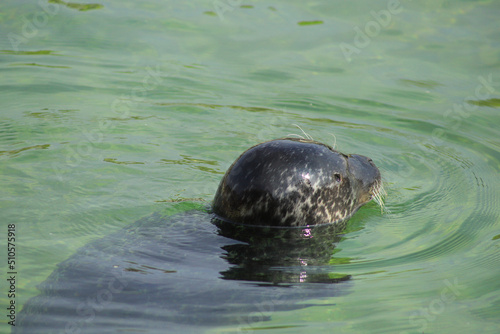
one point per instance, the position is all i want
(337, 177)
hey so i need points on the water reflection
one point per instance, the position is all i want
(280, 255)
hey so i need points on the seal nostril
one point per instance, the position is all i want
(337, 177)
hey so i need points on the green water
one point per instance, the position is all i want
(113, 109)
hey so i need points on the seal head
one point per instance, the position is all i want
(293, 182)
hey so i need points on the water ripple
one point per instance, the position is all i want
(440, 204)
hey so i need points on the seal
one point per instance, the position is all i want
(189, 270)
(293, 182)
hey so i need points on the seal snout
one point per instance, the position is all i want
(366, 174)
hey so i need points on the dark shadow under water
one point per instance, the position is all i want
(184, 273)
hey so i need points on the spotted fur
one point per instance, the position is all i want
(295, 182)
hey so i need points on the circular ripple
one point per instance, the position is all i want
(441, 199)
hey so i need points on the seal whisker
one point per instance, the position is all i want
(378, 196)
(334, 140)
(305, 133)
(295, 135)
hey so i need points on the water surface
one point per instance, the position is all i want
(112, 110)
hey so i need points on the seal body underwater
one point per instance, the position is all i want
(266, 240)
